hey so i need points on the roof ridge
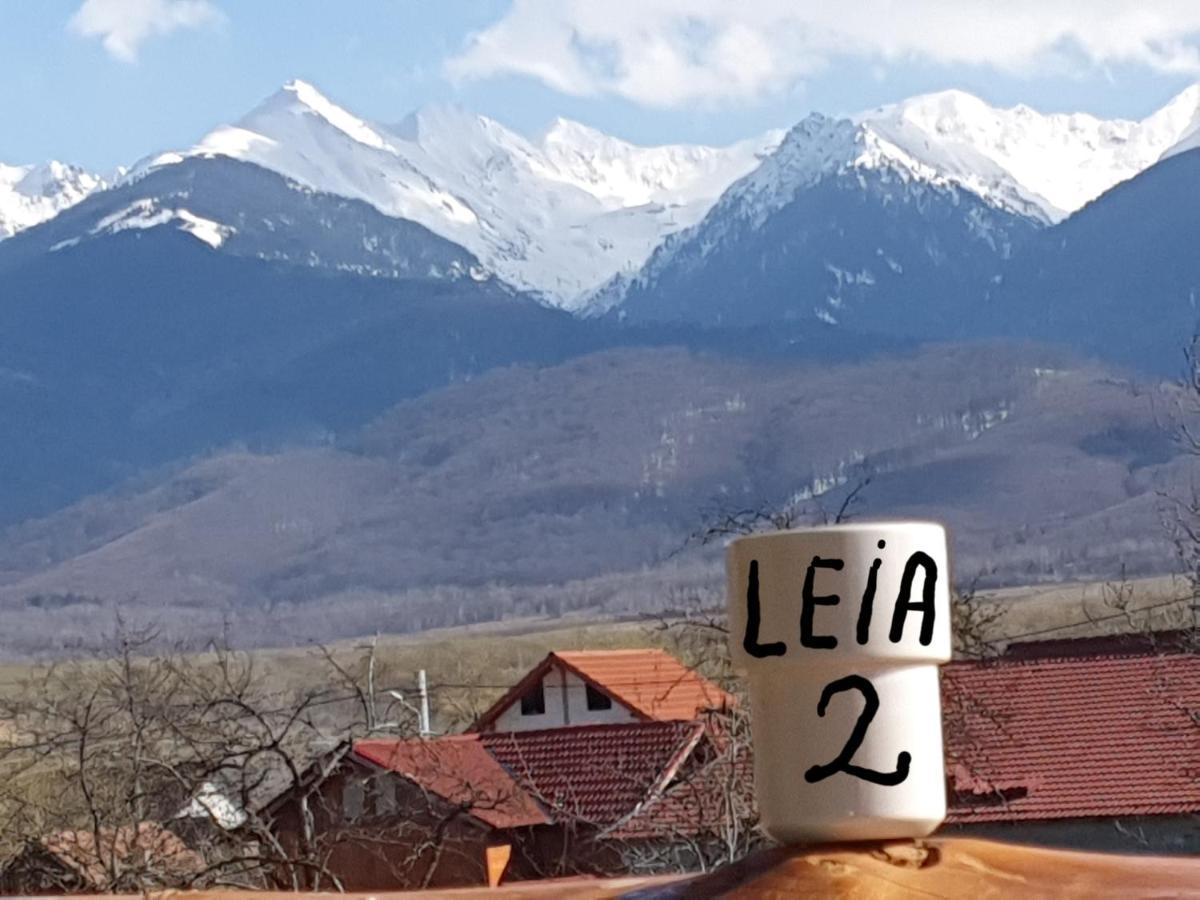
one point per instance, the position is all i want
(465, 737)
(619, 650)
(639, 724)
(1024, 661)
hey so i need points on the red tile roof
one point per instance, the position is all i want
(1026, 739)
(460, 771)
(140, 852)
(1073, 737)
(701, 802)
(651, 682)
(595, 773)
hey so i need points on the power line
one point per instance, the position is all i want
(677, 681)
(1094, 619)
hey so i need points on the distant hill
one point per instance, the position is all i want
(147, 346)
(1120, 278)
(461, 505)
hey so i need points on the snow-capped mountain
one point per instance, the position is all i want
(832, 222)
(585, 220)
(241, 209)
(1048, 165)
(557, 217)
(846, 210)
(30, 195)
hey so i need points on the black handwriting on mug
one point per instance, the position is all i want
(842, 762)
(810, 601)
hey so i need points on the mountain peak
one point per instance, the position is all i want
(568, 131)
(1185, 103)
(294, 95)
(434, 121)
(299, 86)
(1043, 164)
(299, 98)
(558, 218)
(32, 194)
(1179, 118)
(951, 100)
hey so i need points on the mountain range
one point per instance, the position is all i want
(916, 219)
(564, 213)
(555, 217)
(482, 345)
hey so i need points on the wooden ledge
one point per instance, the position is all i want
(940, 867)
(950, 867)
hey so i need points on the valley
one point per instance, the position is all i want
(554, 490)
(316, 376)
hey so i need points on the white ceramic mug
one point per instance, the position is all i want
(840, 631)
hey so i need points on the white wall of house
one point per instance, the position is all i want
(567, 707)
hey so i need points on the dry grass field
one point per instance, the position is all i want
(470, 666)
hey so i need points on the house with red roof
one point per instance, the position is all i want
(396, 814)
(592, 687)
(579, 744)
(1079, 744)
(400, 813)
(106, 860)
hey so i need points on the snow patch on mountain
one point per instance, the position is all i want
(816, 148)
(1024, 160)
(147, 213)
(29, 195)
(625, 175)
(1041, 166)
(574, 215)
(557, 217)
(1182, 116)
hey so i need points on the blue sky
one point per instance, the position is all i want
(103, 82)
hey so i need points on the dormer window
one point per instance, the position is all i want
(533, 701)
(597, 700)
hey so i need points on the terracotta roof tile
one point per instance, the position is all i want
(1073, 738)
(1026, 739)
(700, 803)
(652, 682)
(460, 771)
(138, 851)
(596, 773)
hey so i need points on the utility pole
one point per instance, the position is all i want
(423, 690)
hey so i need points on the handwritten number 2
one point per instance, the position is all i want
(842, 763)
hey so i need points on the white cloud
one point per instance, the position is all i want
(123, 25)
(673, 52)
